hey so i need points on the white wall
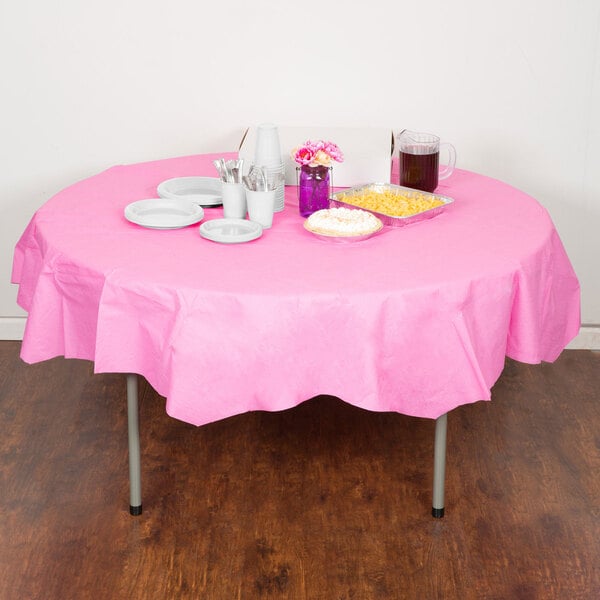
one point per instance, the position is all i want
(515, 85)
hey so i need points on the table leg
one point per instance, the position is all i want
(439, 465)
(133, 431)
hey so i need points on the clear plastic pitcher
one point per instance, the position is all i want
(419, 158)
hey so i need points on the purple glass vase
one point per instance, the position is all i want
(314, 185)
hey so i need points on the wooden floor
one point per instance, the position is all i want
(325, 501)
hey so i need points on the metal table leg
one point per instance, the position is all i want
(135, 469)
(439, 465)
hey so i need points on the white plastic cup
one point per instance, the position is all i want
(234, 200)
(272, 173)
(260, 206)
(268, 150)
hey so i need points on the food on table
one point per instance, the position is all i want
(343, 222)
(391, 202)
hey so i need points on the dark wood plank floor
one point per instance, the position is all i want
(324, 501)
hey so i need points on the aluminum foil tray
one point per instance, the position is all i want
(337, 199)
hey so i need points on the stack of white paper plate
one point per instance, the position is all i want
(204, 191)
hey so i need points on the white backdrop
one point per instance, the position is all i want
(515, 85)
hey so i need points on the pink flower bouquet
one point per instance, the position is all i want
(317, 154)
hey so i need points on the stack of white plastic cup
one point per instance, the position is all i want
(268, 154)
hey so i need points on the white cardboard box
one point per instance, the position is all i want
(367, 152)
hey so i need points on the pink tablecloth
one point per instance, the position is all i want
(416, 320)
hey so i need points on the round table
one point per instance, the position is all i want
(415, 319)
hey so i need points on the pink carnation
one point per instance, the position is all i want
(333, 151)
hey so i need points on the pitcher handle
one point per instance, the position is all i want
(449, 168)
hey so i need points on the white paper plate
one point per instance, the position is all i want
(205, 191)
(230, 231)
(161, 213)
